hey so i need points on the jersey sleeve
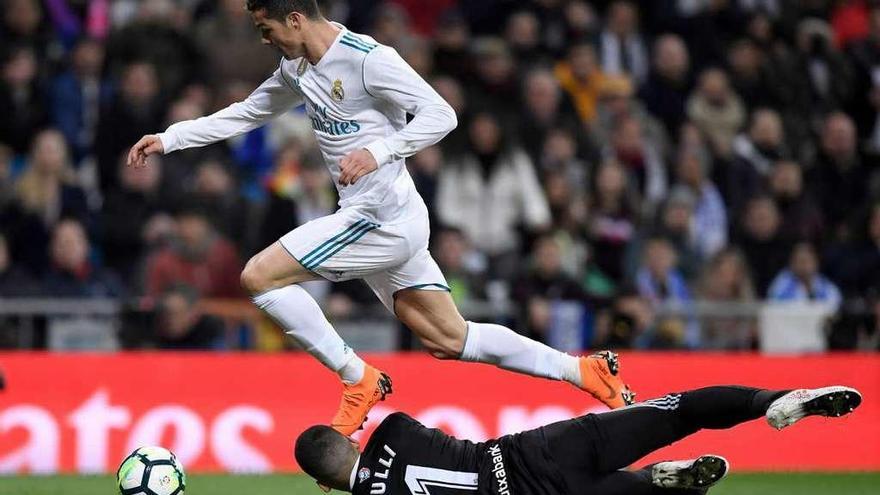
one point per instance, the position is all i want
(271, 99)
(388, 77)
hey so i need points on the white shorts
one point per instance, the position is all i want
(349, 244)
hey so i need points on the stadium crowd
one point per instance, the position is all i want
(619, 155)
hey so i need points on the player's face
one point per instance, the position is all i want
(285, 36)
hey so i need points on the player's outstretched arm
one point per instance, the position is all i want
(387, 76)
(271, 99)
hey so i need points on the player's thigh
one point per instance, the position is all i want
(418, 294)
(272, 268)
(572, 445)
(291, 259)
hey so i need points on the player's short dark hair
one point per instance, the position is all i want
(319, 451)
(279, 9)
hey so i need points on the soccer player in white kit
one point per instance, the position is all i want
(357, 94)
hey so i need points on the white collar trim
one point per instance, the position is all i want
(353, 473)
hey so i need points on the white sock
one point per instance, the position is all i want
(501, 346)
(301, 318)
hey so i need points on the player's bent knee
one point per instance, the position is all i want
(252, 278)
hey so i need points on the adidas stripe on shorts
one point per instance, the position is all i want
(350, 244)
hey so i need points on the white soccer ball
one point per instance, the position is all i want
(151, 471)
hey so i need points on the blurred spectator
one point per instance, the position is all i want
(159, 35)
(617, 102)
(581, 22)
(78, 95)
(582, 79)
(666, 89)
(568, 209)
(417, 53)
(754, 153)
(544, 110)
(560, 155)
(71, 273)
(22, 108)
(231, 50)
(613, 217)
(135, 217)
(7, 185)
(14, 282)
(865, 54)
(390, 24)
(452, 91)
(762, 242)
(424, 167)
(725, 279)
(661, 283)
(542, 285)
(822, 80)
(135, 111)
(621, 47)
(461, 265)
(630, 319)
(801, 219)
(675, 223)
(710, 215)
(47, 188)
(491, 191)
(451, 39)
(495, 85)
(523, 35)
(642, 158)
(23, 26)
(802, 280)
(855, 264)
(751, 77)
(716, 110)
(181, 325)
(839, 179)
(216, 190)
(198, 256)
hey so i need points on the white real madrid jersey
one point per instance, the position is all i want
(357, 96)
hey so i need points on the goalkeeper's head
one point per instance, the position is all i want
(327, 455)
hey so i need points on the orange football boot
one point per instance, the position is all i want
(358, 399)
(599, 377)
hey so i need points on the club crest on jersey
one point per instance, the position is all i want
(363, 474)
(336, 92)
(303, 65)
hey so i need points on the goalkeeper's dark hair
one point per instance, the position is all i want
(322, 451)
(279, 9)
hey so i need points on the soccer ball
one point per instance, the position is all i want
(151, 471)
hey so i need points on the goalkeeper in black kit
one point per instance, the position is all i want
(585, 455)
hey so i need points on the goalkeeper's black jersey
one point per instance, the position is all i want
(403, 457)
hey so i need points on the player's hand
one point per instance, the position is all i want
(355, 165)
(147, 146)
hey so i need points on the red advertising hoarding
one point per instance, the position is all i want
(242, 412)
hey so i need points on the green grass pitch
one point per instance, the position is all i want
(736, 484)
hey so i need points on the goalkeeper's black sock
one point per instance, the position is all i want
(725, 406)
